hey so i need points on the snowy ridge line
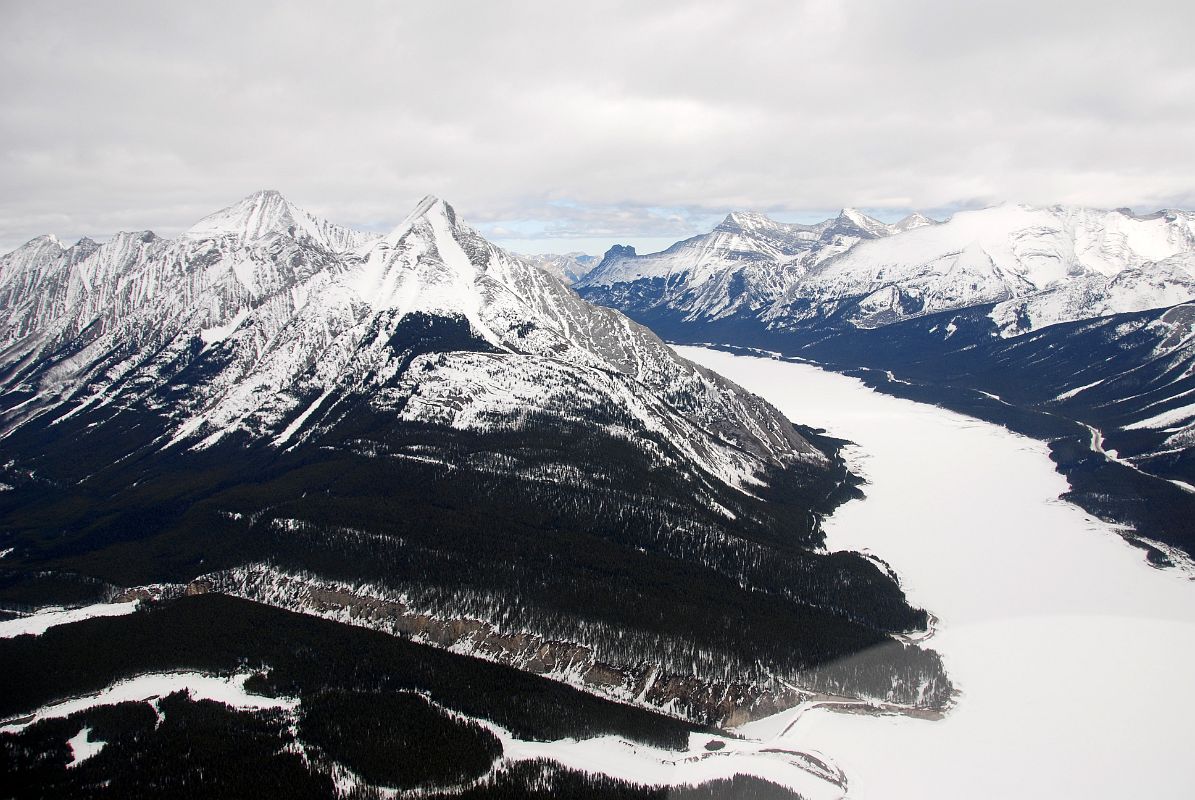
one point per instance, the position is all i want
(272, 308)
(811, 775)
(1039, 266)
(575, 664)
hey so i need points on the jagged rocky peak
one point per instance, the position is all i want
(421, 217)
(40, 246)
(41, 255)
(432, 204)
(426, 264)
(618, 251)
(144, 237)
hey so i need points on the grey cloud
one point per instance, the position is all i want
(593, 120)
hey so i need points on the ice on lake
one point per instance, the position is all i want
(1073, 655)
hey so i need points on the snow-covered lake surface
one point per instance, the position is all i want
(1073, 656)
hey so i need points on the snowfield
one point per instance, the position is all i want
(41, 621)
(153, 686)
(1072, 654)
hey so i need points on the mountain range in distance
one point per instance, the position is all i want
(1070, 324)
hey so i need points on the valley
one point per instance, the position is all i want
(1067, 647)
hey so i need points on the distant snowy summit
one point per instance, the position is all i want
(267, 213)
(1069, 323)
(1046, 265)
(743, 239)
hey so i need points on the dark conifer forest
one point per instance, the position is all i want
(557, 530)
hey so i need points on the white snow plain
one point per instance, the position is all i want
(1072, 655)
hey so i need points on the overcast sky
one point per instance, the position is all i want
(559, 126)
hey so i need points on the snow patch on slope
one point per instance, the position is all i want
(153, 686)
(39, 622)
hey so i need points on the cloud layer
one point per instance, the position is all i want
(585, 122)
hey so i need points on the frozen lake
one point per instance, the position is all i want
(1074, 657)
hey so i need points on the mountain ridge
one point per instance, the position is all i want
(950, 308)
(432, 435)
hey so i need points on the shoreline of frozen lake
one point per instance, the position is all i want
(1072, 653)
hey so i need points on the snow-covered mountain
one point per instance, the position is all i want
(744, 264)
(300, 307)
(276, 407)
(267, 213)
(1059, 263)
(1028, 304)
(742, 238)
(1046, 265)
(567, 268)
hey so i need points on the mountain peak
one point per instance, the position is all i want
(430, 209)
(253, 217)
(856, 216)
(620, 251)
(868, 225)
(914, 220)
(267, 212)
(746, 221)
(431, 204)
(39, 242)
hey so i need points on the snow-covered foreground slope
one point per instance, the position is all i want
(1072, 655)
(151, 687)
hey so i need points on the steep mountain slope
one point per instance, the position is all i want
(428, 435)
(1058, 311)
